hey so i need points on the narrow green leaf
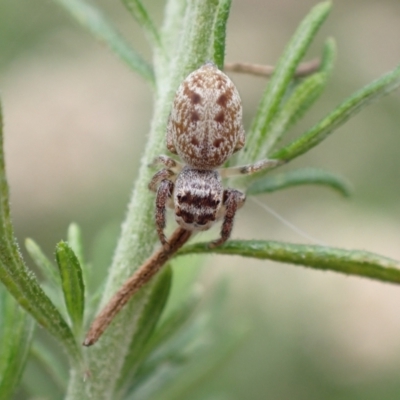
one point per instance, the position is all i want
(304, 176)
(340, 115)
(189, 354)
(191, 377)
(350, 262)
(312, 90)
(72, 284)
(166, 362)
(16, 331)
(52, 280)
(173, 326)
(219, 36)
(280, 81)
(74, 239)
(46, 267)
(147, 322)
(22, 283)
(175, 321)
(141, 15)
(304, 94)
(301, 99)
(92, 19)
(328, 56)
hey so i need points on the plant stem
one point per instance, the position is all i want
(138, 236)
(134, 283)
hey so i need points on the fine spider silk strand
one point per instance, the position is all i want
(291, 226)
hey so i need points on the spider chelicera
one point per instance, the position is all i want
(204, 130)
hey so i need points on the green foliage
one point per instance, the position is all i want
(21, 282)
(152, 351)
(147, 323)
(304, 176)
(258, 136)
(16, 330)
(45, 266)
(72, 285)
(139, 12)
(301, 98)
(350, 262)
(340, 115)
(93, 19)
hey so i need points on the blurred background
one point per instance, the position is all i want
(76, 121)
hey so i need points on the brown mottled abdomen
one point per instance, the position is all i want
(205, 124)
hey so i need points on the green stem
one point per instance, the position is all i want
(138, 237)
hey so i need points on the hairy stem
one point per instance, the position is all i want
(134, 283)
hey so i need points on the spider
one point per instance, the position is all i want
(204, 129)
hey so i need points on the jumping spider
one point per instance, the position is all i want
(204, 130)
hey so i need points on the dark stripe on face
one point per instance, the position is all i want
(186, 216)
(190, 218)
(198, 201)
(205, 218)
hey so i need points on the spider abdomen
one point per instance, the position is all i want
(205, 124)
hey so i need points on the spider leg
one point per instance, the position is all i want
(241, 140)
(250, 168)
(158, 177)
(168, 162)
(164, 193)
(233, 200)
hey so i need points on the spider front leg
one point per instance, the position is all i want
(164, 193)
(233, 200)
(250, 168)
(158, 177)
(170, 163)
(164, 187)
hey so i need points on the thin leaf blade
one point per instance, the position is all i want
(302, 98)
(72, 284)
(147, 322)
(93, 19)
(75, 241)
(303, 176)
(139, 12)
(372, 92)
(46, 267)
(22, 283)
(280, 81)
(349, 262)
(15, 340)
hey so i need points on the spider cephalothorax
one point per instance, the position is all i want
(204, 129)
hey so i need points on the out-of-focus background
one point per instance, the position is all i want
(76, 121)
